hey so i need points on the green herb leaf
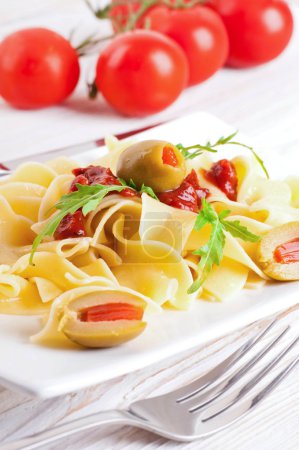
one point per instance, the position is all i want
(209, 147)
(122, 181)
(144, 189)
(149, 191)
(132, 184)
(256, 156)
(239, 231)
(225, 140)
(199, 150)
(86, 197)
(212, 252)
(223, 214)
(49, 230)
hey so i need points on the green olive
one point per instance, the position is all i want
(102, 333)
(97, 335)
(157, 164)
(278, 252)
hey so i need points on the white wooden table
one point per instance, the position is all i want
(264, 103)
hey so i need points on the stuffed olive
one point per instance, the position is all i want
(104, 320)
(157, 164)
(278, 252)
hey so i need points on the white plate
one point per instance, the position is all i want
(49, 372)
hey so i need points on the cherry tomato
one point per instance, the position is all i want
(38, 68)
(199, 31)
(120, 12)
(258, 30)
(141, 72)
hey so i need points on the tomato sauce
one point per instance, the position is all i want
(71, 226)
(223, 175)
(188, 196)
(288, 252)
(98, 175)
(110, 312)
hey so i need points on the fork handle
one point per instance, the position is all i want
(67, 429)
(4, 173)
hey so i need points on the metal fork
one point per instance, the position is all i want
(205, 406)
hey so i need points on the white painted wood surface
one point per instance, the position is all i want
(262, 102)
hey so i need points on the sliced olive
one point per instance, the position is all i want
(157, 164)
(278, 252)
(104, 319)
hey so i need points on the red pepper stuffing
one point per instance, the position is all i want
(288, 252)
(111, 311)
(169, 157)
(71, 226)
(223, 175)
(187, 196)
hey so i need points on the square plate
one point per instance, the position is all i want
(48, 372)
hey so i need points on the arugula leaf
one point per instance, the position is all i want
(122, 181)
(209, 147)
(212, 252)
(256, 156)
(199, 150)
(49, 230)
(149, 191)
(86, 197)
(239, 231)
(132, 184)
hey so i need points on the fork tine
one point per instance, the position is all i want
(230, 400)
(212, 394)
(215, 423)
(210, 378)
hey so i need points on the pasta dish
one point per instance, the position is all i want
(147, 227)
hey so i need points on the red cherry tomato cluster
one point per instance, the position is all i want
(158, 50)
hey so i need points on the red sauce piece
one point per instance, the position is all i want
(80, 179)
(201, 192)
(71, 226)
(111, 311)
(169, 157)
(223, 175)
(288, 252)
(98, 175)
(187, 196)
(3, 167)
